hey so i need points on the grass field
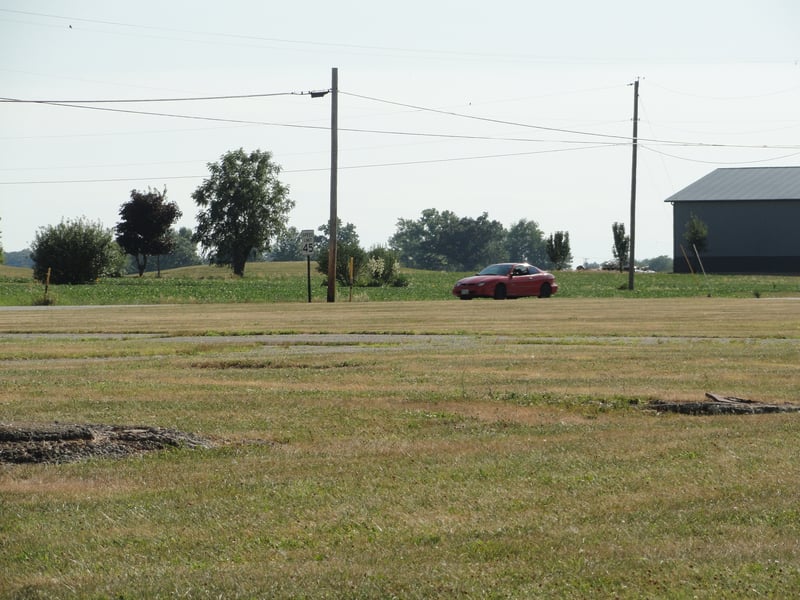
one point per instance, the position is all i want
(288, 282)
(430, 449)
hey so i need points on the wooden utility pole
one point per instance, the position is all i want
(334, 178)
(631, 267)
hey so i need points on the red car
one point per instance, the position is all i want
(507, 280)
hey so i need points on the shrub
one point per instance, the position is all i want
(76, 252)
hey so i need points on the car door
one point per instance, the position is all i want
(520, 284)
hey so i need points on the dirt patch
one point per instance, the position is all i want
(64, 442)
(714, 404)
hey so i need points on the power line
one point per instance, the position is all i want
(562, 130)
(141, 100)
(463, 158)
(485, 119)
(719, 162)
(292, 125)
(319, 169)
(171, 115)
(85, 104)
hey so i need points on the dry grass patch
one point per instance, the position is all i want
(514, 459)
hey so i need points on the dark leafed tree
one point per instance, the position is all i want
(144, 228)
(244, 206)
(558, 250)
(622, 244)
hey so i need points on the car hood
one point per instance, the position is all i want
(475, 279)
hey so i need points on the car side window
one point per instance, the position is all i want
(519, 270)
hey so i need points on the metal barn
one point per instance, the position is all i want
(752, 216)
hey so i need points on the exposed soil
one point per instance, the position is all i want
(715, 404)
(65, 442)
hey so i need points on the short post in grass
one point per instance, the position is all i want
(350, 267)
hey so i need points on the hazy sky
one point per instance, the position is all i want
(521, 109)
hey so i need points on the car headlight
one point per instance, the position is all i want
(481, 284)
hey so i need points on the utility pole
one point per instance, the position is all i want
(631, 267)
(334, 180)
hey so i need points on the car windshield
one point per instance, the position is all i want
(501, 269)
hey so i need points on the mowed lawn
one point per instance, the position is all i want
(431, 449)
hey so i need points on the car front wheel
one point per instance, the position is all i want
(500, 292)
(545, 291)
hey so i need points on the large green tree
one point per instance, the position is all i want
(144, 228)
(422, 243)
(244, 206)
(76, 252)
(444, 241)
(475, 243)
(525, 242)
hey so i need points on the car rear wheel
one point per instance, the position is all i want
(500, 292)
(545, 291)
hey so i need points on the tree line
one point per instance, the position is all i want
(243, 213)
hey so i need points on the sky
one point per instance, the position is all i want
(521, 109)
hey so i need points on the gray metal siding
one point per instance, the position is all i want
(759, 236)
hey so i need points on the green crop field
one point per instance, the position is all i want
(396, 449)
(288, 282)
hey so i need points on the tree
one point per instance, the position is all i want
(443, 241)
(347, 247)
(145, 226)
(660, 264)
(183, 252)
(525, 242)
(422, 244)
(622, 244)
(19, 258)
(287, 246)
(696, 233)
(244, 207)
(76, 252)
(475, 243)
(696, 236)
(558, 250)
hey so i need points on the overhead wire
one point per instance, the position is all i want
(320, 169)
(92, 105)
(142, 100)
(718, 162)
(86, 106)
(562, 130)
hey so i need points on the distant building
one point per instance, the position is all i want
(753, 220)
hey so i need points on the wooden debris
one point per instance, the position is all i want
(722, 405)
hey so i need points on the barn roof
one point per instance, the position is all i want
(750, 183)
